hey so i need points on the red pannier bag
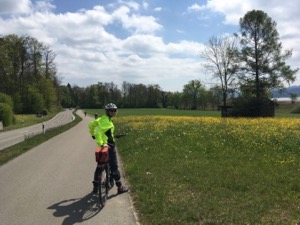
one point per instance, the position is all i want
(102, 154)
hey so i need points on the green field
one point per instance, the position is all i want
(193, 167)
(283, 110)
(157, 112)
(208, 170)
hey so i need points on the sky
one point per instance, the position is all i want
(140, 41)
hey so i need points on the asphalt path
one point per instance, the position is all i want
(52, 183)
(12, 137)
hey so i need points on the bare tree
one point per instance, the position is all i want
(50, 67)
(220, 60)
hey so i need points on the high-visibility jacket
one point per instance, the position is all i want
(103, 130)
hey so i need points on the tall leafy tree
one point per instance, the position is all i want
(194, 95)
(66, 97)
(153, 96)
(175, 99)
(264, 65)
(27, 76)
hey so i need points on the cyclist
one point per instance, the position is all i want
(102, 129)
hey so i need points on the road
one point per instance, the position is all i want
(12, 137)
(52, 183)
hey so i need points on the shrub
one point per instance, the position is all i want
(6, 114)
(6, 99)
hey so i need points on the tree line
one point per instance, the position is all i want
(249, 64)
(194, 96)
(28, 74)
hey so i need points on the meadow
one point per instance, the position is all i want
(208, 170)
(283, 110)
(193, 167)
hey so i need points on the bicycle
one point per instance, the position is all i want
(105, 181)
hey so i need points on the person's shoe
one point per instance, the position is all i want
(122, 189)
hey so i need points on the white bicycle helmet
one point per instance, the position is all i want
(110, 106)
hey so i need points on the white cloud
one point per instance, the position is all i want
(158, 9)
(44, 6)
(196, 8)
(134, 22)
(145, 5)
(87, 52)
(9, 7)
(15, 6)
(131, 4)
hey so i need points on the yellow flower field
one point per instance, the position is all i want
(209, 170)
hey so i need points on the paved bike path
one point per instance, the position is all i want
(52, 183)
(9, 138)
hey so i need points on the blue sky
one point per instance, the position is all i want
(143, 41)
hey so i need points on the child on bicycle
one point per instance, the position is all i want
(102, 129)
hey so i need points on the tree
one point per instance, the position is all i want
(215, 95)
(263, 60)
(153, 96)
(65, 97)
(194, 95)
(293, 97)
(219, 55)
(175, 100)
(34, 100)
(48, 91)
(49, 57)
(21, 65)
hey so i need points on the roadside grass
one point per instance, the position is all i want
(25, 120)
(20, 148)
(207, 170)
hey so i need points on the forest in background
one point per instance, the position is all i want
(248, 65)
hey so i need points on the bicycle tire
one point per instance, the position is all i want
(102, 187)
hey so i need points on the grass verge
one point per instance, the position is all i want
(25, 120)
(18, 149)
(189, 170)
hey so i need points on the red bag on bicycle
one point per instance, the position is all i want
(102, 154)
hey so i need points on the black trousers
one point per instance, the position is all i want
(113, 163)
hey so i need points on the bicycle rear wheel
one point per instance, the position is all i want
(102, 188)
